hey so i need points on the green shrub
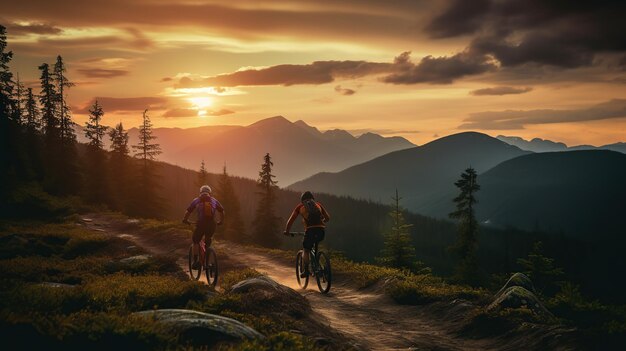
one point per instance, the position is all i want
(85, 330)
(52, 269)
(134, 293)
(422, 289)
(283, 341)
(31, 202)
(37, 298)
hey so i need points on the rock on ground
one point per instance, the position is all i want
(517, 297)
(518, 279)
(202, 328)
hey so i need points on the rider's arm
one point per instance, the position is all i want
(220, 209)
(291, 219)
(190, 210)
(325, 214)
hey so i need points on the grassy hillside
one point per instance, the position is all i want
(64, 286)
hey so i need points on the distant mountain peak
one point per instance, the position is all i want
(275, 121)
(302, 124)
(338, 134)
(370, 136)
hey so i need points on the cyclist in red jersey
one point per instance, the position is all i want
(314, 217)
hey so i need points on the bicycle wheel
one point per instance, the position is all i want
(194, 273)
(211, 267)
(324, 274)
(303, 282)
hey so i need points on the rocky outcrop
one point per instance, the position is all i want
(135, 259)
(519, 292)
(201, 328)
(518, 279)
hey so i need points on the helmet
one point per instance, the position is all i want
(205, 189)
(307, 195)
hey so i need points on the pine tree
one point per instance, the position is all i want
(147, 151)
(467, 242)
(32, 116)
(6, 78)
(19, 101)
(47, 98)
(233, 227)
(541, 269)
(203, 176)
(94, 131)
(119, 140)
(265, 221)
(398, 250)
(8, 126)
(96, 171)
(62, 83)
(120, 166)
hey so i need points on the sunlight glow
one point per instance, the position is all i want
(201, 102)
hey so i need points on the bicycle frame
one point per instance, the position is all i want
(322, 274)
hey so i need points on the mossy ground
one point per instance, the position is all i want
(63, 287)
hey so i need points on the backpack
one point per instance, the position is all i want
(205, 208)
(314, 212)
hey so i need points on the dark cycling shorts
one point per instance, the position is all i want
(312, 236)
(203, 229)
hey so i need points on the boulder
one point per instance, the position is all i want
(135, 259)
(56, 285)
(201, 328)
(517, 297)
(518, 279)
(262, 293)
(263, 283)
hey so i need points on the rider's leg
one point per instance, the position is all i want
(197, 236)
(307, 245)
(306, 259)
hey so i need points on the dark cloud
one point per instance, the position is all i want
(361, 20)
(500, 91)
(102, 73)
(344, 91)
(318, 72)
(112, 104)
(439, 70)
(434, 70)
(460, 17)
(181, 112)
(32, 28)
(517, 119)
(166, 79)
(556, 33)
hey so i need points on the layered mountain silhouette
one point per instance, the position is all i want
(422, 174)
(543, 145)
(579, 193)
(298, 149)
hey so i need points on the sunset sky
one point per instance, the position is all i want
(419, 69)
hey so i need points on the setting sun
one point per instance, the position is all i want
(201, 102)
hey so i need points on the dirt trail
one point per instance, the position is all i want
(371, 319)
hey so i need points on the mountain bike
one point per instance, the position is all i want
(208, 262)
(320, 267)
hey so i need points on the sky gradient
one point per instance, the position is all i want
(419, 69)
